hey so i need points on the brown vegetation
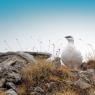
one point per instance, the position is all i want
(2, 93)
(67, 92)
(45, 72)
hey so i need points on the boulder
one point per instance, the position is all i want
(29, 58)
(88, 76)
(11, 59)
(13, 77)
(18, 65)
(10, 73)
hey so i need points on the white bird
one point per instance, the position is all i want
(71, 57)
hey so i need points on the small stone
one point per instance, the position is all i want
(34, 93)
(2, 81)
(51, 86)
(10, 85)
(11, 92)
(39, 90)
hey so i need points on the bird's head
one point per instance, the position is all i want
(70, 39)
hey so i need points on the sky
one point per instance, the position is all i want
(38, 24)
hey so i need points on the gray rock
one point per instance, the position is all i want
(12, 59)
(13, 77)
(39, 90)
(51, 86)
(92, 78)
(88, 76)
(27, 56)
(8, 61)
(11, 92)
(10, 73)
(2, 81)
(18, 65)
(82, 84)
(4, 70)
(35, 93)
(85, 75)
(10, 85)
(41, 55)
(86, 79)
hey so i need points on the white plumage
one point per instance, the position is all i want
(71, 57)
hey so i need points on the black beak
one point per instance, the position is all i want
(68, 36)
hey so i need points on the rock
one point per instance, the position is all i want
(92, 71)
(2, 70)
(35, 93)
(85, 75)
(88, 76)
(40, 55)
(11, 92)
(8, 61)
(13, 77)
(10, 85)
(39, 90)
(10, 69)
(29, 58)
(86, 79)
(92, 78)
(11, 59)
(10, 73)
(18, 65)
(5, 70)
(82, 84)
(51, 86)
(2, 81)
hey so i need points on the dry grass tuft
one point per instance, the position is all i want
(2, 93)
(67, 92)
(34, 74)
(21, 89)
(44, 72)
(89, 65)
(67, 73)
(65, 69)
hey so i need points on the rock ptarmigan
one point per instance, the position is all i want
(71, 57)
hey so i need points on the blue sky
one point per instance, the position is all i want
(32, 21)
(12, 8)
